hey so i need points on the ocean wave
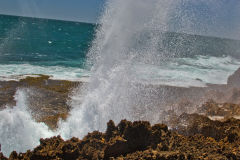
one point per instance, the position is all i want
(186, 72)
(19, 71)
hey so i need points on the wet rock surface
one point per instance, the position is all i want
(140, 140)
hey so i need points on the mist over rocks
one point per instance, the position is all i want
(189, 133)
(49, 99)
(234, 79)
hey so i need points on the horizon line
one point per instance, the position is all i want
(43, 18)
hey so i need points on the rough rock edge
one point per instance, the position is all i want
(140, 140)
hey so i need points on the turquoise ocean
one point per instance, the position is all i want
(59, 48)
(42, 46)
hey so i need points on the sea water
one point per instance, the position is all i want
(59, 48)
(42, 46)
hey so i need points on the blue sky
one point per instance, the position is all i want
(215, 17)
(219, 18)
(75, 10)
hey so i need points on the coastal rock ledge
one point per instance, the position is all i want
(140, 140)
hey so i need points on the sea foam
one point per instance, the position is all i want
(18, 130)
(19, 71)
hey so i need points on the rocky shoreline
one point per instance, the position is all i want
(212, 133)
(140, 140)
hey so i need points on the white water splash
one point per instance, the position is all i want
(131, 32)
(18, 131)
(120, 42)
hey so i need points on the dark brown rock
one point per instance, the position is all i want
(111, 130)
(2, 157)
(140, 140)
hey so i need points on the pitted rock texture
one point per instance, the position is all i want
(140, 140)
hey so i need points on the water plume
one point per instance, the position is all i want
(131, 33)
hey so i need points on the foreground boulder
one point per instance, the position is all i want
(138, 140)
